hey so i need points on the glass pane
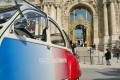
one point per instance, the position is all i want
(55, 35)
(6, 15)
(36, 23)
(35, 26)
(80, 13)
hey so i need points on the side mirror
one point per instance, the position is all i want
(20, 23)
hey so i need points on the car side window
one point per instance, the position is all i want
(55, 34)
(32, 26)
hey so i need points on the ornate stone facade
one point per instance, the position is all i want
(105, 17)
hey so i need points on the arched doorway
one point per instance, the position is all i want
(80, 35)
(80, 16)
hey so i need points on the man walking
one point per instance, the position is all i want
(108, 57)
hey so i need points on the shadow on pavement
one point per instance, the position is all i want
(110, 72)
(108, 79)
(100, 74)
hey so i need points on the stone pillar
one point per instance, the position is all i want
(49, 9)
(53, 12)
(95, 26)
(66, 22)
(115, 36)
(105, 20)
(59, 15)
(119, 14)
(37, 1)
(106, 32)
(112, 11)
(53, 15)
(113, 22)
(45, 9)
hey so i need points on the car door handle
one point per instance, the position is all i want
(48, 47)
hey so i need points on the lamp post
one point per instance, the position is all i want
(90, 56)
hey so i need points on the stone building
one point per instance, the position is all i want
(99, 18)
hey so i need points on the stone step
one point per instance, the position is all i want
(81, 48)
(82, 51)
(84, 54)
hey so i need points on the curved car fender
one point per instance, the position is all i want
(74, 71)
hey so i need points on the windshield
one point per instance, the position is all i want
(6, 14)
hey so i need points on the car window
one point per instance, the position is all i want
(35, 27)
(6, 14)
(67, 39)
(55, 34)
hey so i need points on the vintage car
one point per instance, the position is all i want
(34, 47)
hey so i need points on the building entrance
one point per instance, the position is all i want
(80, 35)
(80, 27)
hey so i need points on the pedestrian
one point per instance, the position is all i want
(108, 57)
(94, 46)
(78, 42)
(118, 55)
(73, 46)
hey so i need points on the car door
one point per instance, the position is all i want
(24, 52)
(58, 50)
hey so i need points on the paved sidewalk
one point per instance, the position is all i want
(114, 64)
(100, 71)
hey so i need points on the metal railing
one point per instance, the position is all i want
(93, 60)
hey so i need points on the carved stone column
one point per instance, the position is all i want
(59, 15)
(119, 14)
(95, 26)
(53, 15)
(113, 22)
(45, 9)
(53, 12)
(112, 11)
(106, 37)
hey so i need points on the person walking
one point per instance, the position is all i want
(108, 57)
(73, 46)
(78, 43)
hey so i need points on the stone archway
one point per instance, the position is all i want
(94, 19)
(72, 27)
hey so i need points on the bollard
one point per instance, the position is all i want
(117, 60)
(98, 60)
(84, 59)
(90, 57)
(117, 57)
(92, 62)
(102, 59)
